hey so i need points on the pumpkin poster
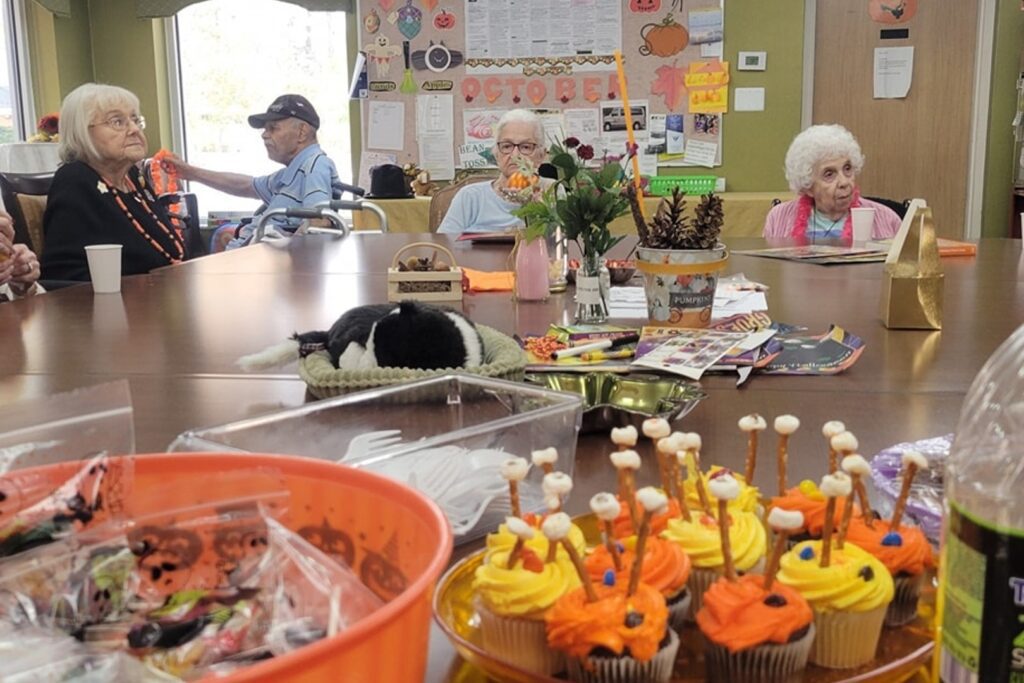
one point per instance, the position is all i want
(557, 57)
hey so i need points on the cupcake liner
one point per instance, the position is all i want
(846, 639)
(679, 610)
(519, 639)
(658, 669)
(903, 607)
(768, 663)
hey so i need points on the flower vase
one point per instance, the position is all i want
(591, 297)
(531, 268)
(558, 262)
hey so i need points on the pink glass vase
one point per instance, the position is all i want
(531, 268)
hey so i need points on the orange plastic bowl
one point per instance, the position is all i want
(399, 540)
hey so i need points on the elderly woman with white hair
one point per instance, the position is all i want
(98, 195)
(822, 166)
(487, 207)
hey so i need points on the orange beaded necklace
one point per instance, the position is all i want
(135, 193)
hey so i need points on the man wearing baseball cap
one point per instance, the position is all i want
(308, 178)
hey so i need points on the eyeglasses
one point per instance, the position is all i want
(506, 147)
(120, 123)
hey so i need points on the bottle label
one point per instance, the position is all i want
(983, 602)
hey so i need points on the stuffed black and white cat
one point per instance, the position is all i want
(404, 335)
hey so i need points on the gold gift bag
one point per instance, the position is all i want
(913, 279)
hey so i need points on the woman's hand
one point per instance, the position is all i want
(25, 270)
(6, 248)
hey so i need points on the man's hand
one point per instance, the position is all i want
(233, 183)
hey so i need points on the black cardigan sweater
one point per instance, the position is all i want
(81, 209)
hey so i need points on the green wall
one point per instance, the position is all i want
(104, 41)
(1006, 64)
(755, 142)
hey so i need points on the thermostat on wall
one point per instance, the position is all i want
(751, 61)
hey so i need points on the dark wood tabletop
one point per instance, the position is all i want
(175, 335)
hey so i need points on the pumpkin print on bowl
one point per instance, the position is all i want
(665, 39)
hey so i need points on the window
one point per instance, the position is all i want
(16, 114)
(231, 66)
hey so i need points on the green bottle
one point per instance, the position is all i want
(981, 585)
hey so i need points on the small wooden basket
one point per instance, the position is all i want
(436, 285)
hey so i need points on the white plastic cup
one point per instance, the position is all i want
(104, 267)
(863, 220)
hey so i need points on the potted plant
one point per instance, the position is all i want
(582, 203)
(680, 258)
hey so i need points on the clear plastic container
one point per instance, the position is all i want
(981, 600)
(445, 436)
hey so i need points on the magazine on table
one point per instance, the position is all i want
(823, 354)
(821, 254)
(684, 351)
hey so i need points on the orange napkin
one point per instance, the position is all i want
(484, 281)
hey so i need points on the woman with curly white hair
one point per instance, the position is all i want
(822, 166)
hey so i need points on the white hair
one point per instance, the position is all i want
(521, 116)
(817, 144)
(77, 112)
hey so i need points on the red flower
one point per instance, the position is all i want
(49, 124)
(585, 152)
(572, 142)
(632, 149)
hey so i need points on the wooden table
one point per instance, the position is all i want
(175, 335)
(744, 213)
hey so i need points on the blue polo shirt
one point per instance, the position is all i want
(308, 180)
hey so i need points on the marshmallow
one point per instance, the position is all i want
(556, 526)
(656, 428)
(785, 520)
(514, 469)
(652, 500)
(691, 441)
(626, 460)
(753, 423)
(624, 436)
(831, 428)
(915, 458)
(835, 485)
(856, 464)
(546, 456)
(605, 506)
(786, 424)
(844, 442)
(556, 484)
(724, 486)
(519, 528)
(671, 443)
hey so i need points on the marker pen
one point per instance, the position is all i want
(608, 355)
(600, 345)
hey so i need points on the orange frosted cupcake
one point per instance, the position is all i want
(903, 549)
(615, 639)
(755, 635)
(665, 568)
(757, 630)
(623, 524)
(809, 501)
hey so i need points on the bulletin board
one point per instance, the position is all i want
(439, 73)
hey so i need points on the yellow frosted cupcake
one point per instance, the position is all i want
(514, 590)
(699, 538)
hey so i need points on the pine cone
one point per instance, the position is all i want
(669, 227)
(708, 224)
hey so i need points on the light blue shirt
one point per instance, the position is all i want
(309, 179)
(478, 208)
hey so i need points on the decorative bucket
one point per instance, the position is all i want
(680, 283)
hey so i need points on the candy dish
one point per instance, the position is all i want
(613, 400)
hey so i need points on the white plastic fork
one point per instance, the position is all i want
(363, 445)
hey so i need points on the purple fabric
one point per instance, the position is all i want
(925, 505)
(781, 218)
